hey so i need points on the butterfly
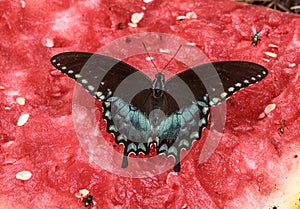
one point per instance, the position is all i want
(140, 112)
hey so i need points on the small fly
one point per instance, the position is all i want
(256, 35)
(282, 126)
(88, 201)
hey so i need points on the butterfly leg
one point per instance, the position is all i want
(177, 166)
(125, 160)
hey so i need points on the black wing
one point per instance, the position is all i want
(101, 75)
(218, 80)
(197, 89)
(115, 83)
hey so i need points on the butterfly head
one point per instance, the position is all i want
(158, 85)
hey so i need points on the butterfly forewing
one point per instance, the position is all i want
(100, 74)
(217, 80)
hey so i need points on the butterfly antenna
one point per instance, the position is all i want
(172, 57)
(149, 56)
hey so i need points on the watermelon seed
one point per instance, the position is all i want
(49, 43)
(261, 115)
(23, 119)
(269, 108)
(23, 175)
(23, 3)
(149, 58)
(270, 54)
(57, 94)
(133, 25)
(147, 1)
(137, 17)
(273, 46)
(167, 51)
(181, 17)
(84, 192)
(292, 64)
(191, 15)
(20, 100)
(266, 60)
(55, 73)
(190, 44)
(1, 87)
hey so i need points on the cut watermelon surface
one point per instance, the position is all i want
(256, 162)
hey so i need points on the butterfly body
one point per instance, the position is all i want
(170, 114)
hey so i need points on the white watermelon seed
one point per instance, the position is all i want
(133, 25)
(269, 108)
(273, 46)
(49, 42)
(261, 115)
(23, 175)
(181, 17)
(20, 100)
(84, 192)
(271, 54)
(23, 3)
(292, 65)
(23, 119)
(137, 17)
(149, 58)
(167, 51)
(191, 15)
(190, 44)
(266, 60)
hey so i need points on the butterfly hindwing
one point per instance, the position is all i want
(129, 125)
(179, 130)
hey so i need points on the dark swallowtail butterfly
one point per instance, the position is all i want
(158, 112)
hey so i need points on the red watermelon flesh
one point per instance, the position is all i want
(254, 165)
